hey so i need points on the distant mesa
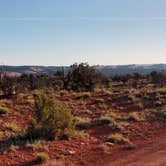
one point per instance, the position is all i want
(106, 70)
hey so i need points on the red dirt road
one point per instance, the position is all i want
(152, 154)
(149, 153)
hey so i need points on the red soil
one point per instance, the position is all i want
(149, 138)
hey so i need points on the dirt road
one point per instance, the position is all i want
(149, 153)
(152, 154)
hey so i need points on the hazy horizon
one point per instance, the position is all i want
(60, 33)
(140, 64)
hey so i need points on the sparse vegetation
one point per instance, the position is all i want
(1, 134)
(12, 148)
(82, 77)
(117, 138)
(86, 111)
(41, 157)
(4, 110)
(37, 145)
(129, 146)
(51, 120)
(105, 120)
(114, 115)
(134, 116)
(161, 115)
(70, 114)
(11, 127)
(99, 101)
(84, 95)
(83, 123)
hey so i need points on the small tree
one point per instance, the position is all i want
(8, 86)
(82, 77)
(158, 78)
(51, 120)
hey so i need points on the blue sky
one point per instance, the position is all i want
(61, 32)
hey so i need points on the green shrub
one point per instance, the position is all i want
(86, 111)
(136, 101)
(108, 92)
(99, 101)
(116, 126)
(132, 98)
(4, 110)
(82, 77)
(105, 120)
(134, 116)
(63, 92)
(139, 105)
(11, 127)
(158, 103)
(12, 148)
(114, 115)
(83, 123)
(148, 112)
(109, 119)
(1, 134)
(37, 145)
(51, 120)
(116, 138)
(162, 115)
(84, 95)
(8, 86)
(41, 157)
(56, 88)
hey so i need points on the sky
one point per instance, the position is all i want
(62, 32)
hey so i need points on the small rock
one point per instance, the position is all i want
(69, 152)
(109, 143)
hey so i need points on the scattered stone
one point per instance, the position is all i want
(109, 143)
(82, 143)
(69, 152)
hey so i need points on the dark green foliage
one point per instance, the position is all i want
(82, 77)
(84, 95)
(158, 78)
(105, 120)
(41, 157)
(8, 85)
(4, 110)
(51, 120)
(31, 82)
(117, 138)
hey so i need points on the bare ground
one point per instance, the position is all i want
(151, 154)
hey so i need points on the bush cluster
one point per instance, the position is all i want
(51, 120)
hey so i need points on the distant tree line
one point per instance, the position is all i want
(133, 80)
(81, 77)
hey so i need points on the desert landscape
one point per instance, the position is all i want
(82, 83)
(83, 118)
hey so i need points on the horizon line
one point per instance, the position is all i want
(129, 64)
